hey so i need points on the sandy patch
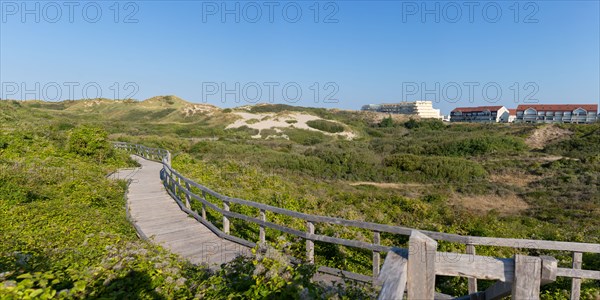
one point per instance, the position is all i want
(279, 121)
(192, 109)
(545, 135)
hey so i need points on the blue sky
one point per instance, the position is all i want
(351, 52)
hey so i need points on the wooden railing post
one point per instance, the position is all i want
(261, 235)
(472, 281)
(393, 275)
(187, 196)
(376, 256)
(421, 266)
(225, 218)
(204, 205)
(172, 183)
(528, 277)
(576, 283)
(175, 186)
(310, 245)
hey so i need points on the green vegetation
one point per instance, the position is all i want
(304, 137)
(423, 174)
(63, 228)
(326, 126)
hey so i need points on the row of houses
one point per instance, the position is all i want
(528, 113)
(524, 113)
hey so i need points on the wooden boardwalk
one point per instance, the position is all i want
(158, 218)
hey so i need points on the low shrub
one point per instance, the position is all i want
(437, 168)
(326, 126)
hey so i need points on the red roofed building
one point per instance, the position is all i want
(484, 114)
(557, 113)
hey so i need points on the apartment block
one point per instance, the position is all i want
(557, 113)
(480, 114)
(423, 109)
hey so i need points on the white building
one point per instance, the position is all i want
(480, 114)
(422, 109)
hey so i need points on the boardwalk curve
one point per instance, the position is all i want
(160, 219)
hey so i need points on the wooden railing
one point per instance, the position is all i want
(465, 265)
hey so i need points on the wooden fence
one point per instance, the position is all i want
(467, 265)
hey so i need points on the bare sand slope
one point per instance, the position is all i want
(281, 120)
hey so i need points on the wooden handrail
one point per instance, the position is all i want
(176, 183)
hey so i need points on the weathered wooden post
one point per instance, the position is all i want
(310, 245)
(576, 283)
(187, 196)
(528, 275)
(175, 185)
(421, 266)
(225, 218)
(376, 255)
(204, 205)
(549, 269)
(393, 275)
(261, 235)
(472, 281)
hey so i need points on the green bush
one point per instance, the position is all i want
(479, 146)
(325, 125)
(387, 122)
(305, 137)
(428, 124)
(90, 142)
(437, 168)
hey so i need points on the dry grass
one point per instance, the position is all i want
(386, 185)
(514, 179)
(505, 205)
(409, 190)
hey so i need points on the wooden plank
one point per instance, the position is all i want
(393, 276)
(421, 266)
(573, 273)
(474, 266)
(528, 272)
(310, 245)
(472, 282)
(576, 282)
